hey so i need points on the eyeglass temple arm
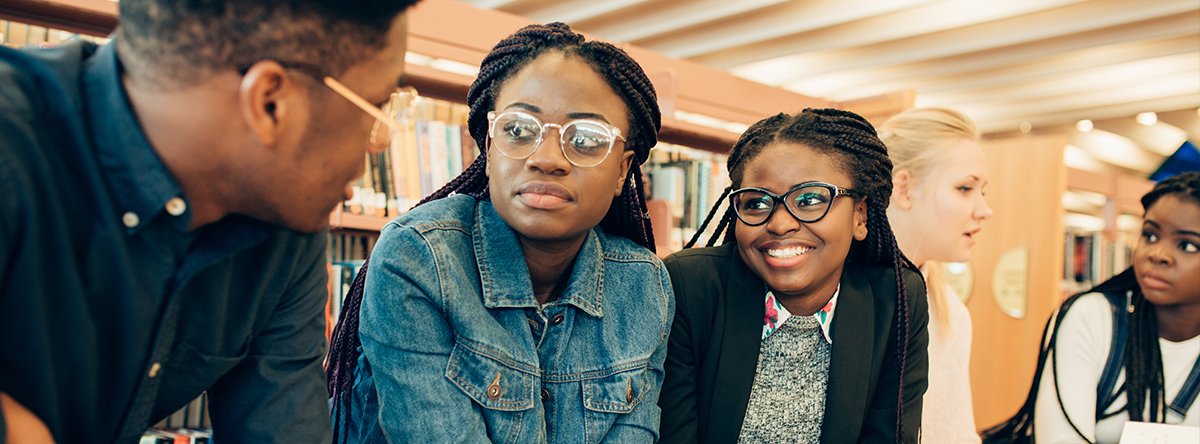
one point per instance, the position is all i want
(354, 98)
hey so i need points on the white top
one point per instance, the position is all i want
(1084, 339)
(948, 417)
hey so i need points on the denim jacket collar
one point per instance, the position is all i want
(504, 274)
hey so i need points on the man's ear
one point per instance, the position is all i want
(860, 220)
(261, 96)
(626, 164)
(902, 189)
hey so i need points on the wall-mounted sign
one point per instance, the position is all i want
(960, 276)
(1010, 281)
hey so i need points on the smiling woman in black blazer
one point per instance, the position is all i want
(740, 366)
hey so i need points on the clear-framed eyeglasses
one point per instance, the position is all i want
(584, 142)
(807, 202)
(391, 119)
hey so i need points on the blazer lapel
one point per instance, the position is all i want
(850, 359)
(741, 339)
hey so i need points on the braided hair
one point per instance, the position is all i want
(626, 217)
(853, 143)
(1143, 359)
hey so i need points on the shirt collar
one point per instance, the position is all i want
(504, 275)
(137, 177)
(776, 315)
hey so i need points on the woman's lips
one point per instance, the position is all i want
(544, 195)
(1155, 281)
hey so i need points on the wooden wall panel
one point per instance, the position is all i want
(1027, 182)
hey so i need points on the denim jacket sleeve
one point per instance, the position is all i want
(642, 424)
(408, 341)
(277, 394)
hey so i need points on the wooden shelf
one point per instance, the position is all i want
(89, 17)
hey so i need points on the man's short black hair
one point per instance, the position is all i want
(180, 42)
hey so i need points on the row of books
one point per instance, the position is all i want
(434, 147)
(1092, 257)
(689, 181)
(188, 425)
(346, 254)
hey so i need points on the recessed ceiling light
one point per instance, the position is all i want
(1026, 127)
(1084, 125)
(1147, 118)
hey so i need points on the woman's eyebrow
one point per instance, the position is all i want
(592, 116)
(524, 106)
(1187, 233)
(536, 110)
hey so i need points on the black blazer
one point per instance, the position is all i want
(713, 352)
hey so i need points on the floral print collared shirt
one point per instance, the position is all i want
(776, 315)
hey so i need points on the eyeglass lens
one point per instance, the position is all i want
(584, 143)
(808, 204)
(399, 107)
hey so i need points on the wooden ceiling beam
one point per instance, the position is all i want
(993, 122)
(1045, 24)
(684, 15)
(1167, 36)
(895, 26)
(1096, 80)
(776, 22)
(575, 11)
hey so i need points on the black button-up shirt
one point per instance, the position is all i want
(112, 314)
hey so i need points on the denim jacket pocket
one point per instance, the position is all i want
(490, 380)
(617, 393)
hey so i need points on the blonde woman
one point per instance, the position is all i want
(937, 209)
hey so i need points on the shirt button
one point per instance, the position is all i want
(130, 219)
(545, 395)
(154, 368)
(557, 319)
(176, 206)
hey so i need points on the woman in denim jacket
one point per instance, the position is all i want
(522, 302)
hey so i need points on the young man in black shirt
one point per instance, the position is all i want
(164, 212)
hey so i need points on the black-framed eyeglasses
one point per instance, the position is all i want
(584, 142)
(807, 202)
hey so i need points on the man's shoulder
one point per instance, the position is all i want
(39, 96)
(27, 76)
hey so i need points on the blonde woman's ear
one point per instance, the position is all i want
(902, 189)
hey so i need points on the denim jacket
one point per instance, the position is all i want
(457, 349)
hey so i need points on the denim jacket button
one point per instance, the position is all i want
(629, 392)
(545, 395)
(494, 390)
(557, 319)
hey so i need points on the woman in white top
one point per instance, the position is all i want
(937, 208)
(1162, 347)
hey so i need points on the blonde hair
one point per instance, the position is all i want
(915, 140)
